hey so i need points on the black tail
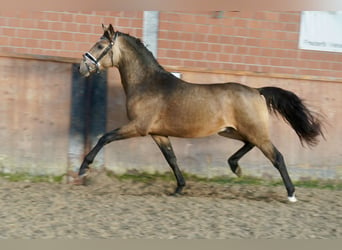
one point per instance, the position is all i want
(306, 123)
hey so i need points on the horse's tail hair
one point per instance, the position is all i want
(306, 123)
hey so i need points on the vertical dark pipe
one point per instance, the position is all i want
(88, 116)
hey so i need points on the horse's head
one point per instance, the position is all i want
(101, 55)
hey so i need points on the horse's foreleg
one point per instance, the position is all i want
(165, 146)
(124, 132)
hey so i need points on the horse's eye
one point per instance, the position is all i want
(100, 46)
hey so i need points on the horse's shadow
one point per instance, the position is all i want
(202, 190)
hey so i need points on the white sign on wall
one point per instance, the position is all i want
(321, 30)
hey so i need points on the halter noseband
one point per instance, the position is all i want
(96, 62)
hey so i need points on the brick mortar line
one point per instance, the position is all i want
(257, 56)
(87, 14)
(206, 13)
(233, 18)
(230, 18)
(43, 49)
(64, 31)
(251, 29)
(60, 21)
(249, 64)
(40, 39)
(245, 37)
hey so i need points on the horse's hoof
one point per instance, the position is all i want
(177, 194)
(238, 171)
(292, 198)
(83, 172)
(78, 181)
(83, 175)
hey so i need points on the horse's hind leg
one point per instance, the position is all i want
(272, 153)
(165, 146)
(233, 160)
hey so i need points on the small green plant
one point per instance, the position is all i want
(18, 177)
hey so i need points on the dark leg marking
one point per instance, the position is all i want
(118, 134)
(165, 146)
(233, 160)
(277, 159)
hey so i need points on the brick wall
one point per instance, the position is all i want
(264, 41)
(65, 34)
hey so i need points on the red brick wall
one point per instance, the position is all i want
(66, 34)
(264, 41)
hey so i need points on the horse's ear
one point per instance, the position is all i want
(108, 31)
(111, 29)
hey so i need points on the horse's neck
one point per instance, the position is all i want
(137, 73)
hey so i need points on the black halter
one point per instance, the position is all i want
(88, 57)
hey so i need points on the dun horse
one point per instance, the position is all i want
(161, 105)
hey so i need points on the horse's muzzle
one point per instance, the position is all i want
(84, 69)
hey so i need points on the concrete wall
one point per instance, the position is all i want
(34, 116)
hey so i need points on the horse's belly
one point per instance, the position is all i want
(194, 117)
(191, 127)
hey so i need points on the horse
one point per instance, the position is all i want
(161, 105)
